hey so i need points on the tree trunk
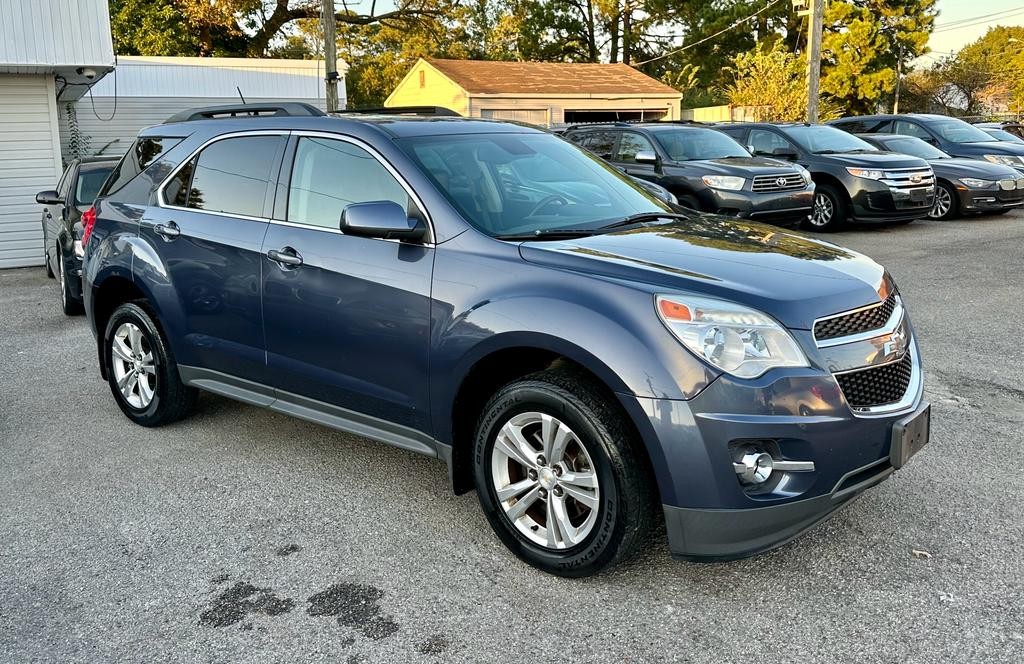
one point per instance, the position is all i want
(627, 32)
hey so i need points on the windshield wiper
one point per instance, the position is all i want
(645, 216)
(549, 234)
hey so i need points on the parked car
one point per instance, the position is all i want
(1000, 129)
(961, 185)
(569, 346)
(951, 135)
(62, 228)
(1001, 134)
(703, 168)
(855, 181)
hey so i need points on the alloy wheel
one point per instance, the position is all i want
(823, 210)
(545, 480)
(943, 203)
(133, 364)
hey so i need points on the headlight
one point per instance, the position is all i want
(730, 182)
(1008, 159)
(869, 173)
(804, 173)
(738, 340)
(977, 183)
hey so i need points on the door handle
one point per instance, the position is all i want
(286, 257)
(168, 231)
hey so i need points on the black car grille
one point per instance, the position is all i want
(864, 320)
(782, 182)
(877, 386)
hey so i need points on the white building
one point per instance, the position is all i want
(144, 91)
(50, 52)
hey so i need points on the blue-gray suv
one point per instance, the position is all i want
(586, 356)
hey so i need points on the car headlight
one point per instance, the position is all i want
(977, 183)
(804, 173)
(736, 339)
(869, 173)
(1007, 159)
(730, 182)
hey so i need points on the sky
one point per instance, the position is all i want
(958, 32)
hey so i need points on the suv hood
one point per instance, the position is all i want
(748, 166)
(878, 159)
(791, 277)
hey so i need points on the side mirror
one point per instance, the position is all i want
(384, 220)
(48, 197)
(785, 153)
(646, 157)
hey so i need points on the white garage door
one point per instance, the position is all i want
(29, 163)
(537, 116)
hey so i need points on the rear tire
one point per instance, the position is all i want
(830, 211)
(593, 485)
(140, 368)
(68, 304)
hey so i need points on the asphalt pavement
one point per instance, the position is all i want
(244, 535)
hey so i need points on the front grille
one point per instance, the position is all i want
(909, 178)
(1008, 184)
(781, 182)
(864, 320)
(877, 386)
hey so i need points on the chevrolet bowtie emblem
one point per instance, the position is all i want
(895, 346)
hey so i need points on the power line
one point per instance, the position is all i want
(735, 24)
(977, 22)
(975, 18)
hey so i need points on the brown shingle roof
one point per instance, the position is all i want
(491, 77)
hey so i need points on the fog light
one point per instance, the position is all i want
(754, 467)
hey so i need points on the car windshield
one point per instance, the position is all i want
(511, 184)
(824, 139)
(915, 147)
(958, 131)
(89, 183)
(1003, 135)
(691, 143)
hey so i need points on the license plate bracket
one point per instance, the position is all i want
(919, 195)
(909, 435)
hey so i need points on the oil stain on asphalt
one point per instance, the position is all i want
(355, 605)
(241, 600)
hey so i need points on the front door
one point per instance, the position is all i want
(347, 318)
(631, 143)
(209, 233)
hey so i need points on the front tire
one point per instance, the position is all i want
(830, 211)
(560, 477)
(141, 371)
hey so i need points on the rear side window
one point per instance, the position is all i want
(230, 176)
(140, 155)
(329, 175)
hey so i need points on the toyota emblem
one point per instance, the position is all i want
(781, 181)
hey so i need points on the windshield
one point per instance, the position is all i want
(508, 184)
(89, 183)
(821, 138)
(1003, 135)
(915, 147)
(958, 131)
(694, 143)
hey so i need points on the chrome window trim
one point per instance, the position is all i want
(162, 202)
(895, 318)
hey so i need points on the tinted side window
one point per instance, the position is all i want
(909, 129)
(176, 190)
(629, 145)
(852, 126)
(232, 175)
(140, 155)
(329, 175)
(65, 181)
(766, 142)
(601, 143)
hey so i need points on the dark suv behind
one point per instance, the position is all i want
(951, 135)
(855, 181)
(706, 170)
(491, 295)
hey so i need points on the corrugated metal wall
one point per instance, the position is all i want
(112, 132)
(29, 163)
(48, 33)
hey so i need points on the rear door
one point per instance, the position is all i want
(347, 318)
(208, 232)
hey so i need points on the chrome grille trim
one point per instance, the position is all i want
(768, 183)
(894, 320)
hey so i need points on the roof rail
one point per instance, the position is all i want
(435, 111)
(284, 108)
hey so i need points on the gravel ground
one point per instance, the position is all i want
(243, 535)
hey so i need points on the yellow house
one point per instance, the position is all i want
(542, 93)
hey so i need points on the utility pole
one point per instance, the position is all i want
(330, 54)
(814, 58)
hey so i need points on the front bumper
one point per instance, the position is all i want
(773, 207)
(875, 201)
(985, 200)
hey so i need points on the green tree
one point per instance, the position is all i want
(772, 83)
